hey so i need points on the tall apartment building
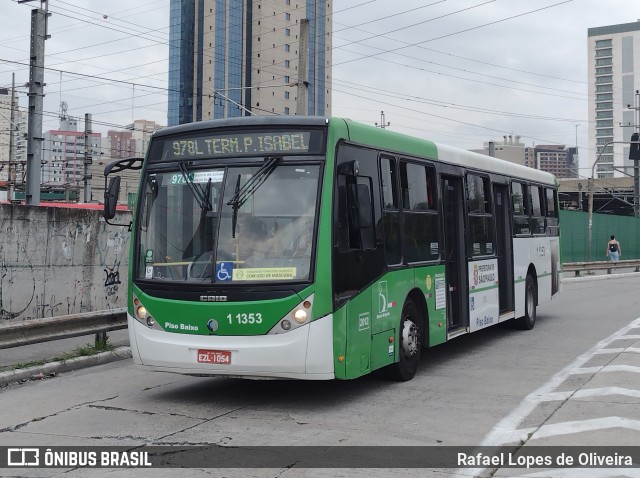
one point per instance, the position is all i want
(614, 78)
(228, 57)
(141, 132)
(120, 144)
(510, 149)
(63, 153)
(556, 159)
(63, 157)
(13, 146)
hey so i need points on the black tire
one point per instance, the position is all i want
(528, 321)
(410, 342)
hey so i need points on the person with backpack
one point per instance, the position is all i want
(613, 249)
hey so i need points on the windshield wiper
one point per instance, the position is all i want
(242, 194)
(201, 196)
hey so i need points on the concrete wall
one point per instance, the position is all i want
(56, 261)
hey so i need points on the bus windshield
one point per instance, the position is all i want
(228, 225)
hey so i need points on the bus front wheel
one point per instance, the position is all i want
(410, 338)
(530, 303)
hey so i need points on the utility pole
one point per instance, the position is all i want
(88, 159)
(636, 166)
(12, 132)
(36, 95)
(382, 124)
(303, 80)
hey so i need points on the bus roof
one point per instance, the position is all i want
(245, 121)
(410, 145)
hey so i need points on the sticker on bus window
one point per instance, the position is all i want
(224, 271)
(435, 248)
(265, 273)
(148, 272)
(204, 176)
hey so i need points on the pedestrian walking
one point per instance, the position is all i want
(613, 249)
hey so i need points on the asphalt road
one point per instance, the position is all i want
(497, 385)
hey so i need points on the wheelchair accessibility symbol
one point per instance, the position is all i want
(224, 271)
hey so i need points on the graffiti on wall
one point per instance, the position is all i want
(56, 261)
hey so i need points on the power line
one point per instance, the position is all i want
(455, 33)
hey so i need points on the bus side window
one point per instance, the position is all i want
(481, 230)
(552, 212)
(520, 201)
(355, 212)
(419, 214)
(537, 210)
(390, 214)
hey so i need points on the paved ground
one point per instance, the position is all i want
(591, 401)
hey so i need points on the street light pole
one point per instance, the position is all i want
(636, 167)
(577, 166)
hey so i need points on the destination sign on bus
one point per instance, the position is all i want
(243, 144)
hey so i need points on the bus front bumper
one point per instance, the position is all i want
(303, 353)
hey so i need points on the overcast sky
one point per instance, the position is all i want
(460, 72)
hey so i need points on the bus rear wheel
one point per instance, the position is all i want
(530, 303)
(410, 337)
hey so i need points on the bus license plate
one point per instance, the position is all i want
(214, 357)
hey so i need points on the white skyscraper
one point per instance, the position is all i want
(614, 79)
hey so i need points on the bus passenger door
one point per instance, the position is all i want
(455, 258)
(504, 247)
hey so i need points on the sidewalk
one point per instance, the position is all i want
(47, 351)
(601, 274)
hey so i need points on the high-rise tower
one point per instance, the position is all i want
(228, 57)
(614, 78)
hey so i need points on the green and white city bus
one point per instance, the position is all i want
(313, 248)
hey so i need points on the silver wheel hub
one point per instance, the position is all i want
(409, 338)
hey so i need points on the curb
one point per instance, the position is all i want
(600, 277)
(52, 368)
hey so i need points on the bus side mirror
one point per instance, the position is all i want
(111, 197)
(349, 168)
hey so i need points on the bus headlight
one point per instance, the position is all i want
(298, 316)
(141, 314)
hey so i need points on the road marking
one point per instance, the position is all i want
(591, 392)
(506, 432)
(606, 368)
(579, 426)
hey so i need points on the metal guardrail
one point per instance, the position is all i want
(579, 267)
(35, 331)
